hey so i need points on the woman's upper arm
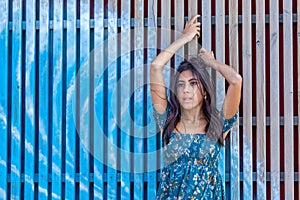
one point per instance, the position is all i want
(228, 124)
(158, 89)
(232, 98)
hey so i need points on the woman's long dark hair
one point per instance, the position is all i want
(214, 126)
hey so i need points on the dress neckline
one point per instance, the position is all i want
(188, 133)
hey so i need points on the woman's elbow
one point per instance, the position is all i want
(155, 67)
(237, 80)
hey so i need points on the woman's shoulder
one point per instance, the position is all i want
(161, 118)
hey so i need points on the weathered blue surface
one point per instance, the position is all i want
(83, 78)
(3, 97)
(57, 94)
(151, 126)
(43, 100)
(56, 52)
(125, 93)
(98, 102)
(70, 93)
(138, 99)
(16, 89)
(30, 102)
(112, 102)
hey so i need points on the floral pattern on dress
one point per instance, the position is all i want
(191, 163)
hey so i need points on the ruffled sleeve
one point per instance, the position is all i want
(161, 118)
(228, 123)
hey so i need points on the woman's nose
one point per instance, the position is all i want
(187, 88)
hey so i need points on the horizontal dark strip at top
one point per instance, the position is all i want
(132, 22)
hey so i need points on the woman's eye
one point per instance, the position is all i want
(180, 85)
(194, 83)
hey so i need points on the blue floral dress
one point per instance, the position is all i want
(191, 162)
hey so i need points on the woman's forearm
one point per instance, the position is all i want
(163, 58)
(207, 59)
(191, 30)
(231, 76)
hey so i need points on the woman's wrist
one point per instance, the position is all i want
(184, 38)
(215, 64)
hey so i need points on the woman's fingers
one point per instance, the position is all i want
(194, 18)
(191, 21)
(197, 28)
(197, 24)
(198, 32)
(192, 28)
(203, 53)
(202, 50)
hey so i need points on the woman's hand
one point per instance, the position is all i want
(206, 58)
(192, 28)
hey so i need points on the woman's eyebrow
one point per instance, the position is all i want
(180, 81)
(193, 79)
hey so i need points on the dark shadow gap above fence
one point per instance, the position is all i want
(132, 22)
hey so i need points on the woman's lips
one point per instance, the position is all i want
(187, 99)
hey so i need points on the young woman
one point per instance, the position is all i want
(193, 131)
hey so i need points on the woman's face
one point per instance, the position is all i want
(188, 90)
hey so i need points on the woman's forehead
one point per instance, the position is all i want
(187, 75)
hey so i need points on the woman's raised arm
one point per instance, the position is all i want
(158, 87)
(233, 95)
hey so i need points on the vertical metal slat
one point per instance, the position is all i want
(30, 118)
(247, 101)
(138, 99)
(16, 100)
(125, 94)
(98, 103)
(165, 36)
(43, 99)
(274, 100)
(70, 99)
(206, 30)
(84, 101)
(57, 100)
(151, 126)
(166, 27)
(179, 25)
(220, 81)
(260, 100)
(234, 136)
(193, 45)
(288, 98)
(4, 96)
(298, 59)
(112, 103)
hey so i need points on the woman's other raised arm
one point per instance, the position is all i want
(158, 87)
(233, 95)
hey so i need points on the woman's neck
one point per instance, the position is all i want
(192, 121)
(192, 115)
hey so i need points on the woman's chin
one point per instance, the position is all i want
(188, 106)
